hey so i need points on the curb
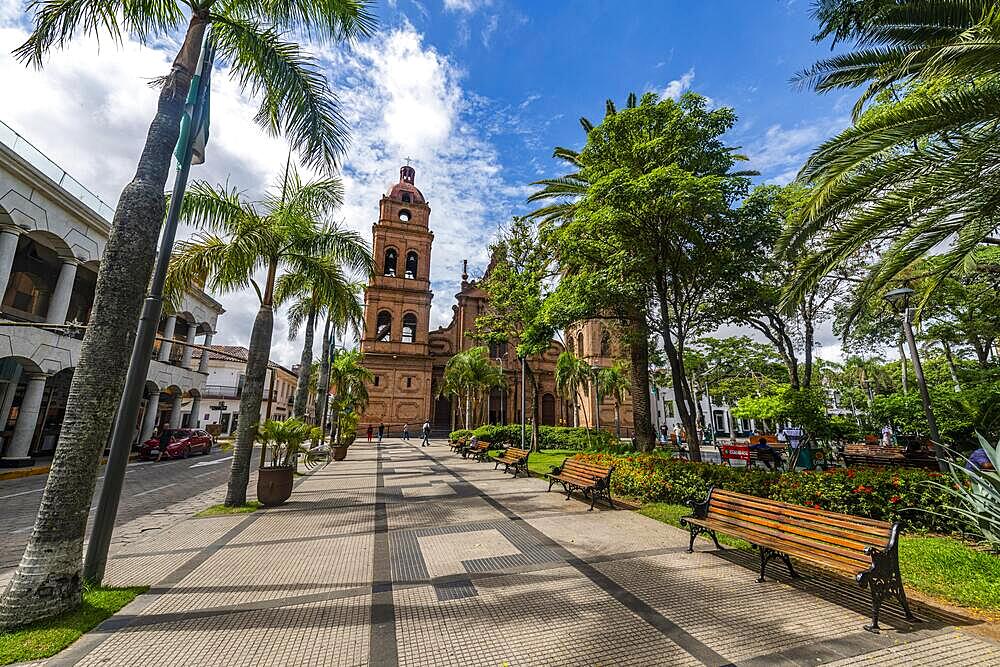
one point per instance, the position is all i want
(18, 473)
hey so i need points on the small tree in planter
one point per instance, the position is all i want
(283, 442)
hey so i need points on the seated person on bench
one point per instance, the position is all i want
(767, 455)
(978, 460)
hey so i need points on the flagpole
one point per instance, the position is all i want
(128, 410)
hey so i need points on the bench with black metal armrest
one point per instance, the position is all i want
(458, 445)
(513, 460)
(576, 475)
(866, 549)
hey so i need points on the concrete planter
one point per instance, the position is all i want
(274, 484)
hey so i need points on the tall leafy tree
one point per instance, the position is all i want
(518, 281)
(343, 314)
(349, 380)
(657, 220)
(295, 100)
(613, 381)
(470, 376)
(589, 288)
(915, 173)
(245, 239)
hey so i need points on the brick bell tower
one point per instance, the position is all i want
(397, 310)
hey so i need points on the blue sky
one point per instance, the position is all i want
(476, 92)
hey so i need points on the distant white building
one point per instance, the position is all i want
(224, 388)
(52, 236)
(713, 411)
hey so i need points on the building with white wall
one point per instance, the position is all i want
(52, 236)
(664, 411)
(226, 368)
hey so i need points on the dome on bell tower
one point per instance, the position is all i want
(405, 190)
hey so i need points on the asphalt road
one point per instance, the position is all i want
(149, 486)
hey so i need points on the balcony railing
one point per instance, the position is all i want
(42, 163)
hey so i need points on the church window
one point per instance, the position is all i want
(389, 267)
(376, 380)
(498, 350)
(409, 382)
(411, 265)
(383, 326)
(406, 197)
(409, 328)
(404, 215)
(579, 344)
(569, 344)
(605, 343)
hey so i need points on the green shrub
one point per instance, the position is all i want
(902, 495)
(461, 433)
(555, 437)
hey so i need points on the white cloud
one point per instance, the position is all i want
(468, 6)
(528, 100)
(784, 150)
(491, 27)
(89, 110)
(678, 87)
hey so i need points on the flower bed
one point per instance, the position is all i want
(888, 494)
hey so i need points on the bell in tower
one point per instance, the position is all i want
(406, 174)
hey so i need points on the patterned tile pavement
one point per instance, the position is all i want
(404, 555)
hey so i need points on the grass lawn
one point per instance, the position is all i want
(45, 639)
(940, 567)
(220, 510)
(541, 462)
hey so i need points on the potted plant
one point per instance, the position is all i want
(282, 442)
(347, 426)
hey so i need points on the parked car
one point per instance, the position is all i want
(183, 443)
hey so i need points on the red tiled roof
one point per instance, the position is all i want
(238, 353)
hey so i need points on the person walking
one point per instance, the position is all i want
(370, 431)
(381, 432)
(427, 433)
(406, 432)
(164, 438)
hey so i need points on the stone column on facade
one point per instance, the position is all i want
(59, 303)
(8, 396)
(168, 333)
(27, 420)
(149, 417)
(188, 350)
(8, 248)
(195, 412)
(175, 410)
(203, 362)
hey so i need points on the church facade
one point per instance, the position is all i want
(407, 358)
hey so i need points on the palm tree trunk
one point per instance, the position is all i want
(258, 355)
(638, 346)
(305, 367)
(323, 388)
(47, 582)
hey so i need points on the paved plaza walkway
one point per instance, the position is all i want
(411, 556)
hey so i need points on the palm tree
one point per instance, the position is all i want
(913, 174)
(571, 376)
(311, 293)
(280, 232)
(349, 381)
(295, 100)
(342, 315)
(613, 381)
(469, 376)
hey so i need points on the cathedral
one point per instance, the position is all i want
(408, 359)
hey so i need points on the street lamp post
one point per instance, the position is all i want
(900, 299)
(524, 364)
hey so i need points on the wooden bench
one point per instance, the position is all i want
(479, 451)
(879, 456)
(740, 451)
(865, 549)
(513, 460)
(458, 445)
(575, 474)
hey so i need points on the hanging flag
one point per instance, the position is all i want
(198, 92)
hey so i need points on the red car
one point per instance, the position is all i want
(183, 443)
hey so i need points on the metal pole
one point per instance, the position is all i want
(918, 370)
(524, 364)
(135, 380)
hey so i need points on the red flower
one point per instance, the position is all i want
(894, 499)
